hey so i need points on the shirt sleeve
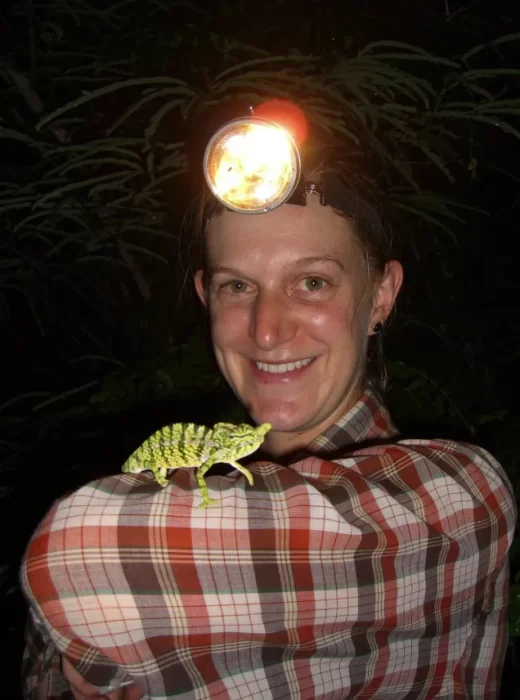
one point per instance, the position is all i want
(41, 663)
(382, 572)
(479, 672)
(46, 644)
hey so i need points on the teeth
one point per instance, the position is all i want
(280, 369)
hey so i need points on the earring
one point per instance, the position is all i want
(378, 327)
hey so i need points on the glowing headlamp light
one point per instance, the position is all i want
(252, 165)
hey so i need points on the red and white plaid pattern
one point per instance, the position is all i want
(371, 568)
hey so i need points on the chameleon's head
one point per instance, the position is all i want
(251, 438)
(244, 438)
(262, 430)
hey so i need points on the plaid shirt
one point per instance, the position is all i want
(372, 567)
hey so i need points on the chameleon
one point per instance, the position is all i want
(190, 445)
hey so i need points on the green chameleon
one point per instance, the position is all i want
(189, 445)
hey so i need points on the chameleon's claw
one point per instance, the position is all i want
(246, 473)
(208, 502)
(161, 480)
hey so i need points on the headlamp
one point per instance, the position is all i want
(252, 165)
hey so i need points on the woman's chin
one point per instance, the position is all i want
(282, 421)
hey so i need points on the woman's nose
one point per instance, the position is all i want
(272, 322)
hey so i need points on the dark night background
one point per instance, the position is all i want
(102, 340)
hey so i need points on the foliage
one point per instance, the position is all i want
(93, 201)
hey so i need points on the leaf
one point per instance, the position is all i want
(19, 398)
(414, 51)
(426, 217)
(65, 395)
(100, 162)
(472, 116)
(491, 73)
(59, 192)
(497, 42)
(16, 135)
(136, 106)
(239, 67)
(155, 121)
(96, 358)
(181, 88)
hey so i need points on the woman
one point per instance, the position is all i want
(357, 565)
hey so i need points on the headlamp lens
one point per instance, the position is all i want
(252, 165)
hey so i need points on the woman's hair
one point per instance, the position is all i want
(352, 201)
(355, 202)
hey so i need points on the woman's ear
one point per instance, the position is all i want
(387, 289)
(200, 286)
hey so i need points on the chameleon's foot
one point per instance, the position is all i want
(243, 470)
(208, 502)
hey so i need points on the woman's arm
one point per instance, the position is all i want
(46, 675)
(83, 690)
(479, 672)
(40, 662)
(396, 544)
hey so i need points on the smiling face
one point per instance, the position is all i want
(292, 305)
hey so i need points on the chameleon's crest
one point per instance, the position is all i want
(190, 445)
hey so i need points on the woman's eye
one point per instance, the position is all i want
(314, 284)
(236, 286)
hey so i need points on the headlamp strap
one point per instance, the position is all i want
(333, 192)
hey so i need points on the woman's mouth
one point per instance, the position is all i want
(281, 370)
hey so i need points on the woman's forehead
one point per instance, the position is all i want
(314, 228)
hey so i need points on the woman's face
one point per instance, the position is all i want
(291, 308)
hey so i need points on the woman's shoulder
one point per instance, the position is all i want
(472, 463)
(443, 468)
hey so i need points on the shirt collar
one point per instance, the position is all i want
(367, 422)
